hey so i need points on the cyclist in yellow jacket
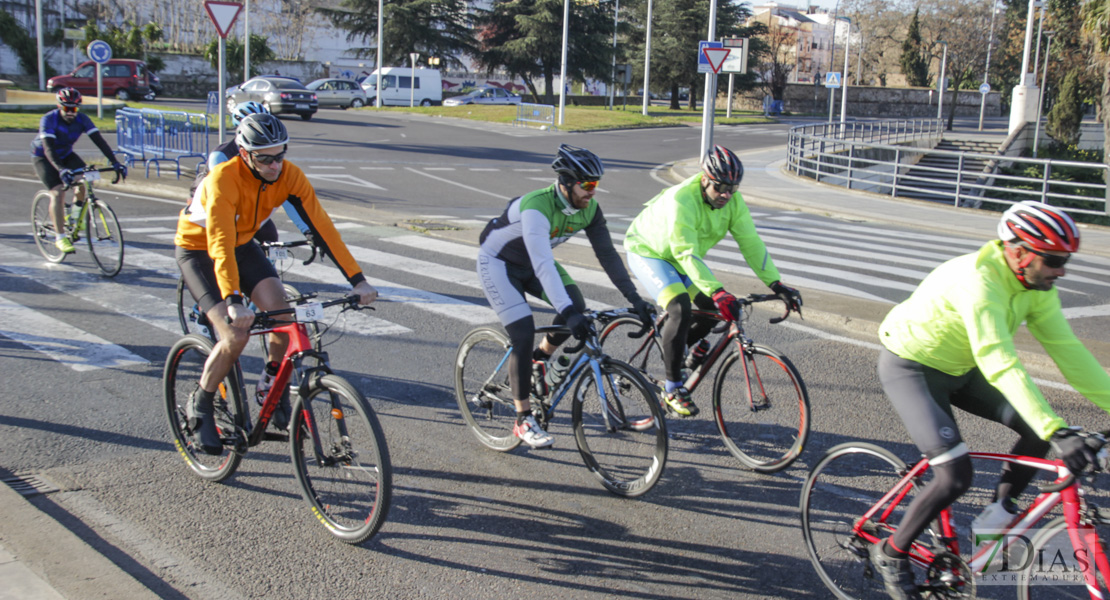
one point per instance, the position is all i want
(221, 264)
(951, 344)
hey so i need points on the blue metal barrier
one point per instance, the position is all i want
(543, 114)
(153, 136)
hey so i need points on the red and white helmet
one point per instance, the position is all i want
(69, 97)
(1039, 226)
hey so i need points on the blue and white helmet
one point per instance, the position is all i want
(250, 107)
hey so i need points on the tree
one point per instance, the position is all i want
(1096, 27)
(525, 37)
(233, 56)
(1067, 113)
(440, 28)
(778, 62)
(915, 64)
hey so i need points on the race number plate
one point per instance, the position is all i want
(92, 176)
(310, 312)
(279, 253)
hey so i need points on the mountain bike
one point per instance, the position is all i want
(339, 452)
(856, 496)
(95, 221)
(192, 320)
(618, 424)
(760, 403)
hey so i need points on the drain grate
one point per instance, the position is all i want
(29, 485)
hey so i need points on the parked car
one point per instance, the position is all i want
(124, 78)
(398, 88)
(278, 94)
(484, 95)
(341, 93)
(155, 87)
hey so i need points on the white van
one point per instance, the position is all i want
(397, 88)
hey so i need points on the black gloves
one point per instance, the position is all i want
(644, 310)
(1072, 448)
(789, 295)
(576, 322)
(121, 169)
(67, 177)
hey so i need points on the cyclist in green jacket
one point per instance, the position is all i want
(666, 247)
(515, 258)
(952, 344)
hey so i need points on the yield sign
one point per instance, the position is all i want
(223, 15)
(716, 57)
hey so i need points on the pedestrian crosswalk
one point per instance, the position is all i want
(859, 261)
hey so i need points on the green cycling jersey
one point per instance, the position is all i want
(964, 316)
(679, 227)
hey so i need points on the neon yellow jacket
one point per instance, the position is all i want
(679, 227)
(964, 315)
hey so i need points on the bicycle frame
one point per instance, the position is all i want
(300, 347)
(1065, 489)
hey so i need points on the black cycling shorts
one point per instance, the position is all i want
(199, 272)
(924, 398)
(48, 175)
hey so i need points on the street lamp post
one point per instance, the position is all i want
(412, 79)
(647, 62)
(378, 92)
(1044, 81)
(940, 84)
(563, 61)
(247, 40)
(709, 98)
(844, 78)
(987, 69)
(613, 75)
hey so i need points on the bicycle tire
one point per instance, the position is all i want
(180, 377)
(623, 437)
(643, 353)
(42, 228)
(1052, 551)
(840, 488)
(105, 238)
(771, 436)
(482, 388)
(350, 487)
(191, 319)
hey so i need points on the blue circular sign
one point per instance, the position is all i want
(99, 51)
(985, 88)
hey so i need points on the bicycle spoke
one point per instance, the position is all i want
(486, 405)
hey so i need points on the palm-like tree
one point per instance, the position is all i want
(1096, 25)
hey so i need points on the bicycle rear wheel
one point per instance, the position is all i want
(349, 484)
(841, 488)
(482, 388)
(42, 228)
(180, 377)
(105, 238)
(189, 315)
(620, 431)
(761, 408)
(1055, 570)
(643, 353)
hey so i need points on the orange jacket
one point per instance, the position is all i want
(231, 205)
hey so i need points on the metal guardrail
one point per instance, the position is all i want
(155, 136)
(882, 157)
(542, 114)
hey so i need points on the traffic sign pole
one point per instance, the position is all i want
(100, 52)
(223, 15)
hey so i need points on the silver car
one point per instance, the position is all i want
(278, 94)
(484, 95)
(340, 93)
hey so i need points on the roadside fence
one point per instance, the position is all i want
(539, 114)
(156, 136)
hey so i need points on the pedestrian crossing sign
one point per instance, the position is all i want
(832, 80)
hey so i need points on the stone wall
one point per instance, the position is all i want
(871, 102)
(189, 76)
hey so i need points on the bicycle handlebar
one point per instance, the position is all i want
(604, 316)
(293, 244)
(754, 298)
(89, 169)
(1098, 438)
(266, 320)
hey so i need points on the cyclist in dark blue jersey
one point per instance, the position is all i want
(56, 162)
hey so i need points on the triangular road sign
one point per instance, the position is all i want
(716, 57)
(223, 15)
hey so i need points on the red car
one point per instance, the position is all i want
(124, 78)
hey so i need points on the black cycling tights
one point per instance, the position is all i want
(950, 481)
(522, 333)
(681, 330)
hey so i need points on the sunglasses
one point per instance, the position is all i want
(68, 109)
(1052, 261)
(268, 159)
(724, 189)
(589, 186)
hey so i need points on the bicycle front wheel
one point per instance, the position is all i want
(1055, 570)
(42, 228)
(643, 353)
(761, 408)
(181, 377)
(620, 430)
(841, 488)
(347, 480)
(482, 388)
(105, 238)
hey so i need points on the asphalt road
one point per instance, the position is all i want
(410, 195)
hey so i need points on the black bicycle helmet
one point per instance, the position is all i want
(575, 164)
(260, 131)
(69, 97)
(723, 166)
